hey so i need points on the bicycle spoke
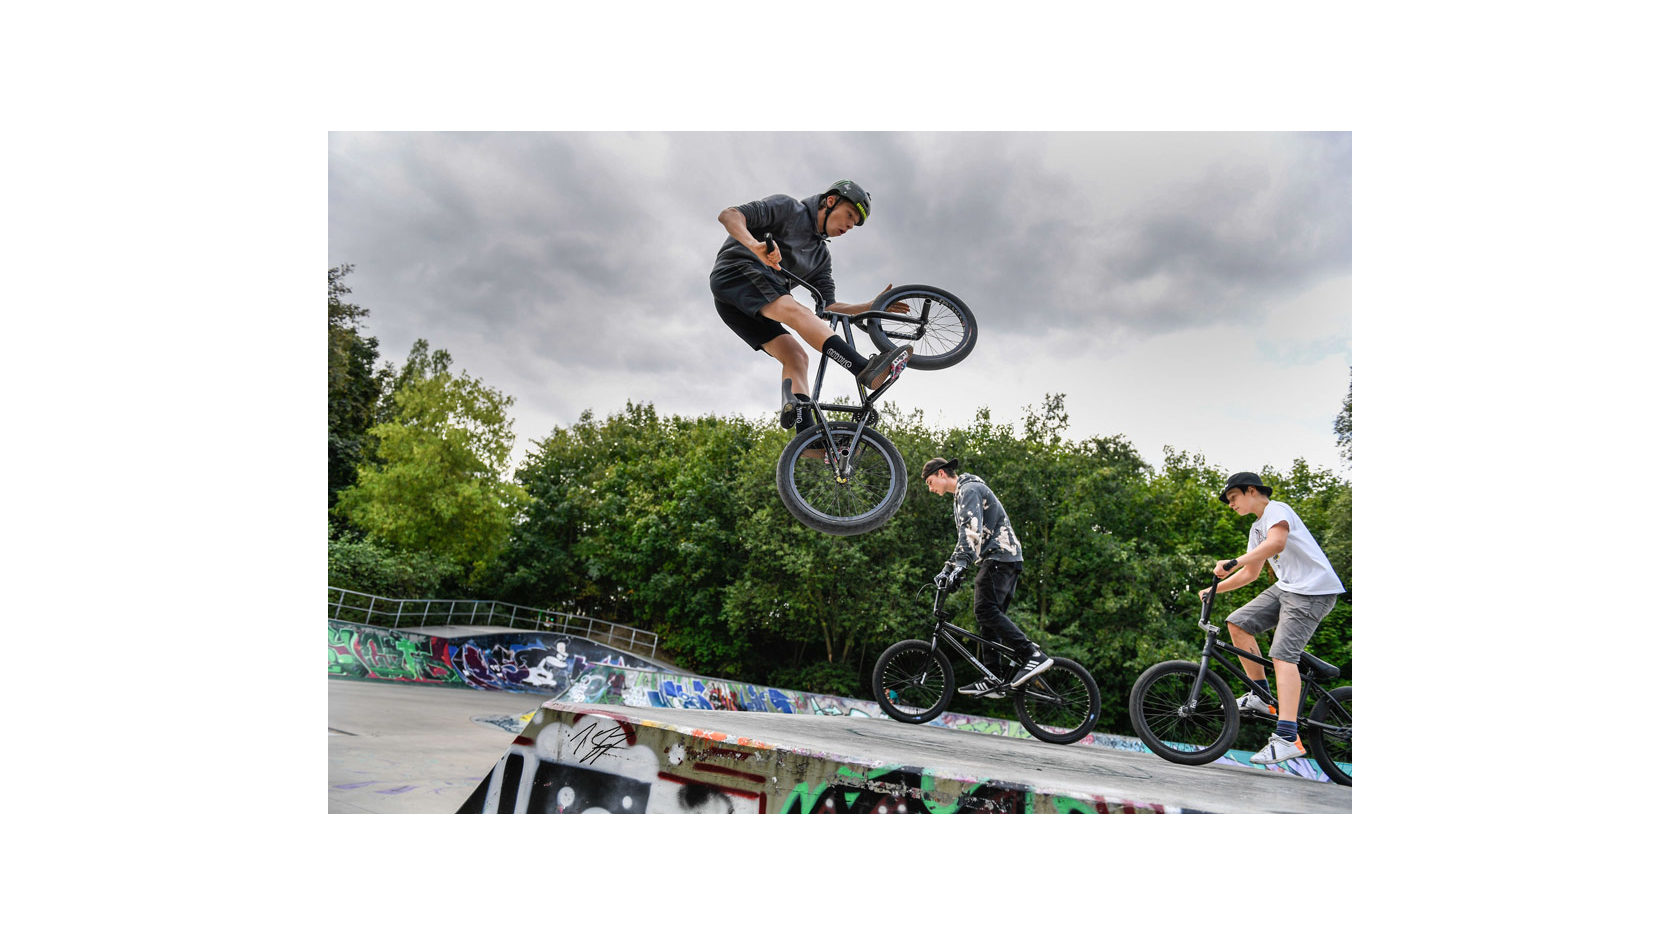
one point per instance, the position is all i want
(914, 683)
(1055, 702)
(868, 486)
(1165, 707)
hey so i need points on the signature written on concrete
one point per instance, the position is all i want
(595, 740)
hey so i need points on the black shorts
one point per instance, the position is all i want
(740, 291)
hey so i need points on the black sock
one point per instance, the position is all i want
(836, 350)
(1287, 730)
(1260, 684)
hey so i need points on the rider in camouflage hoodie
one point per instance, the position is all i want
(984, 535)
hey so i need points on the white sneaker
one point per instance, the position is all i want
(1277, 751)
(1253, 703)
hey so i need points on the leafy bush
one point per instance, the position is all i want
(824, 677)
(372, 567)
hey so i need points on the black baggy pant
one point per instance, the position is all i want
(994, 588)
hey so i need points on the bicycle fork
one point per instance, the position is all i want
(1202, 670)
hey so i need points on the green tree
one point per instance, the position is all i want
(1344, 427)
(436, 480)
(353, 388)
(371, 567)
(674, 525)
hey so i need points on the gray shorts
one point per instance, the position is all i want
(1295, 616)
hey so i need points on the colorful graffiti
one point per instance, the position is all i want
(585, 762)
(582, 671)
(366, 653)
(514, 661)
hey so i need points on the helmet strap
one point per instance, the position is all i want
(826, 211)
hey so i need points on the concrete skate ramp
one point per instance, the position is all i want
(582, 758)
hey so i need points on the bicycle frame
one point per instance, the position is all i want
(864, 413)
(1213, 647)
(955, 636)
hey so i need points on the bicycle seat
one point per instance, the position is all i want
(1320, 668)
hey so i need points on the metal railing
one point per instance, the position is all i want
(394, 614)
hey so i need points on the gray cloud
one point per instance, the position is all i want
(569, 269)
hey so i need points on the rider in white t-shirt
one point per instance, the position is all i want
(1292, 608)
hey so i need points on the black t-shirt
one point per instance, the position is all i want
(793, 225)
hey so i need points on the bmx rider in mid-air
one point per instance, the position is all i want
(751, 295)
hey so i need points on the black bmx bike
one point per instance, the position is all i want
(914, 681)
(1185, 711)
(844, 477)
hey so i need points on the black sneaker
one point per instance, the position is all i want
(1031, 666)
(985, 689)
(885, 366)
(796, 413)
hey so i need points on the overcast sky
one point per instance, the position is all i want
(1183, 289)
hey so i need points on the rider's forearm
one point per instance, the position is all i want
(1244, 577)
(735, 224)
(849, 308)
(1252, 560)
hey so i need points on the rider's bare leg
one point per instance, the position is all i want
(1243, 640)
(787, 350)
(820, 337)
(1288, 689)
(787, 310)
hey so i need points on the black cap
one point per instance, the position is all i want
(1241, 479)
(936, 464)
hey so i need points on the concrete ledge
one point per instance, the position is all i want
(581, 758)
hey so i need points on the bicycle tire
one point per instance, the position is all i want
(1061, 704)
(1333, 749)
(863, 503)
(903, 681)
(1158, 709)
(945, 337)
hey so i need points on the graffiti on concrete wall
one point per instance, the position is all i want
(582, 671)
(572, 762)
(371, 653)
(511, 660)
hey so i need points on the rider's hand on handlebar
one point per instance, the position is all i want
(948, 576)
(1226, 568)
(770, 253)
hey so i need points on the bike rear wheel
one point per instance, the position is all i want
(1333, 747)
(913, 682)
(1059, 705)
(1162, 717)
(813, 491)
(942, 334)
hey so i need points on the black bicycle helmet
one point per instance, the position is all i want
(850, 191)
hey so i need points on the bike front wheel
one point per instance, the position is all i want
(1163, 717)
(1059, 705)
(1330, 739)
(913, 682)
(814, 490)
(942, 329)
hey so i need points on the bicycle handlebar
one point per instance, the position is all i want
(1207, 602)
(770, 241)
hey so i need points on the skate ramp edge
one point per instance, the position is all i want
(581, 758)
